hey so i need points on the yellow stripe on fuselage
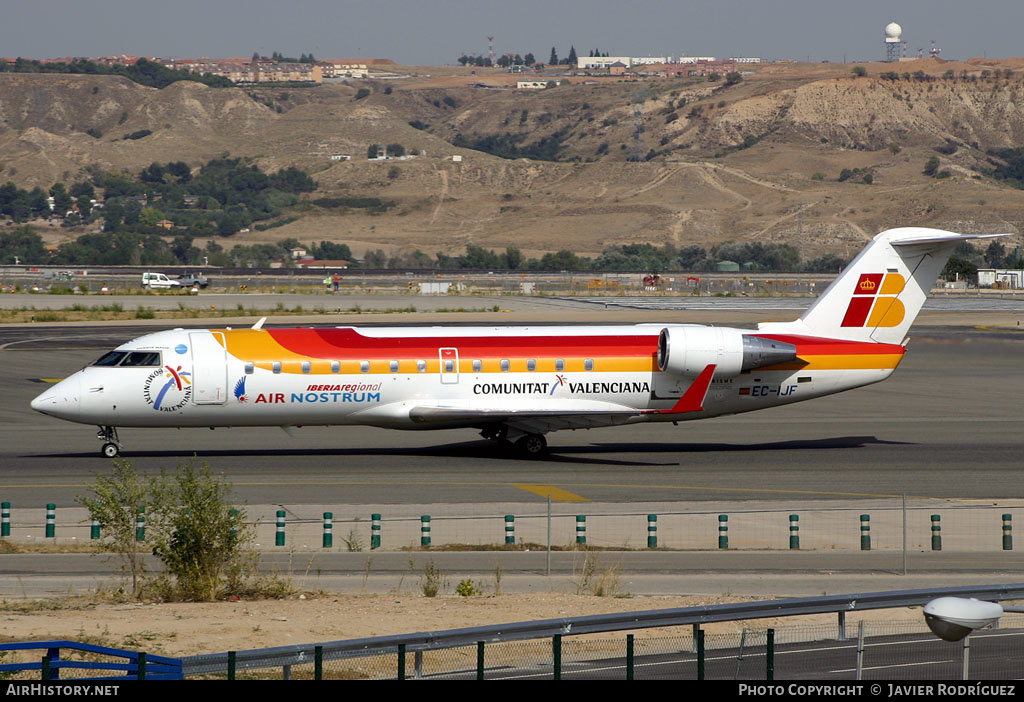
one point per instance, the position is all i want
(858, 361)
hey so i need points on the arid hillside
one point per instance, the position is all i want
(685, 161)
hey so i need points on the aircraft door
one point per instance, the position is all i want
(209, 368)
(449, 365)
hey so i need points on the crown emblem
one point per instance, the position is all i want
(867, 285)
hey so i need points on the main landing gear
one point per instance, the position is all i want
(526, 445)
(531, 445)
(111, 444)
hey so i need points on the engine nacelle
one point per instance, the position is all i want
(689, 350)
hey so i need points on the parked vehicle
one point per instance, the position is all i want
(158, 281)
(192, 280)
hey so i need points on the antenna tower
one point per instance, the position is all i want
(490, 49)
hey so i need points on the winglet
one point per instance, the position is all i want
(693, 399)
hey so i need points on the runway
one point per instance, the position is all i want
(948, 424)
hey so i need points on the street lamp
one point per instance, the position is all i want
(953, 618)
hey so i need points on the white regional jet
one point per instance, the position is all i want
(514, 384)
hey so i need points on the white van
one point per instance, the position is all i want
(158, 280)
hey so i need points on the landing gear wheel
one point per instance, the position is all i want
(532, 445)
(111, 444)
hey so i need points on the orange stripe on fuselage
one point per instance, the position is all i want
(626, 353)
(816, 353)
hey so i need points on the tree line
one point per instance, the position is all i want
(138, 211)
(143, 71)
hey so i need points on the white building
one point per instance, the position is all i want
(601, 62)
(1004, 278)
(695, 59)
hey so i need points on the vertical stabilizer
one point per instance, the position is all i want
(878, 296)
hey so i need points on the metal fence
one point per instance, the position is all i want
(583, 647)
(886, 651)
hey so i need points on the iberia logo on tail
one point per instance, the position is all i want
(875, 301)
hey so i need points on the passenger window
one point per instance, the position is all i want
(560, 364)
(249, 367)
(364, 366)
(504, 365)
(531, 365)
(449, 366)
(394, 366)
(305, 367)
(478, 366)
(276, 367)
(588, 364)
(421, 366)
(335, 366)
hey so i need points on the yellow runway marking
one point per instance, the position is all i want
(557, 494)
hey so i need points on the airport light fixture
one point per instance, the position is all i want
(953, 618)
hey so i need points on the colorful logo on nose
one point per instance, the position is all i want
(173, 394)
(875, 301)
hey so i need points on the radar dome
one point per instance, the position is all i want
(893, 31)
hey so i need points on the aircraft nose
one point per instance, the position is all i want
(45, 401)
(60, 400)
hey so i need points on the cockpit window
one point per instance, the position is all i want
(142, 358)
(129, 358)
(111, 358)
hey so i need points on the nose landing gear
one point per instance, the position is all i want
(111, 444)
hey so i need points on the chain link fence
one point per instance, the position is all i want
(866, 651)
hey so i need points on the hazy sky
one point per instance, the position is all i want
(435, 32)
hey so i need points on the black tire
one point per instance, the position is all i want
(532, 445)
(111, 450)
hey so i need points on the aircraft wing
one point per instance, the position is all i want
(543, 420)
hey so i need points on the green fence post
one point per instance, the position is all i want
(374, 531)
(401, 661)
(142, 666)
(233, 513)
(794, 531)
(700, 654)
(318, 662)
(232, 664)
(581, 530)
(479, 660)
(629, 656)
(865, 532)
(556, 656)
(279, 537)
(936, 533)
(723, 531)
(510, 529)
(5, 519)
(94, 530)
(44, 670)
(1007, 532)
(140, 523)
(328, 529)
(425, 530)
(51, 520)
(770, 656)
(652, 531)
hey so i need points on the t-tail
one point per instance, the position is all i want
(878, 296)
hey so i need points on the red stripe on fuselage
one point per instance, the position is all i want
(349, 343)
